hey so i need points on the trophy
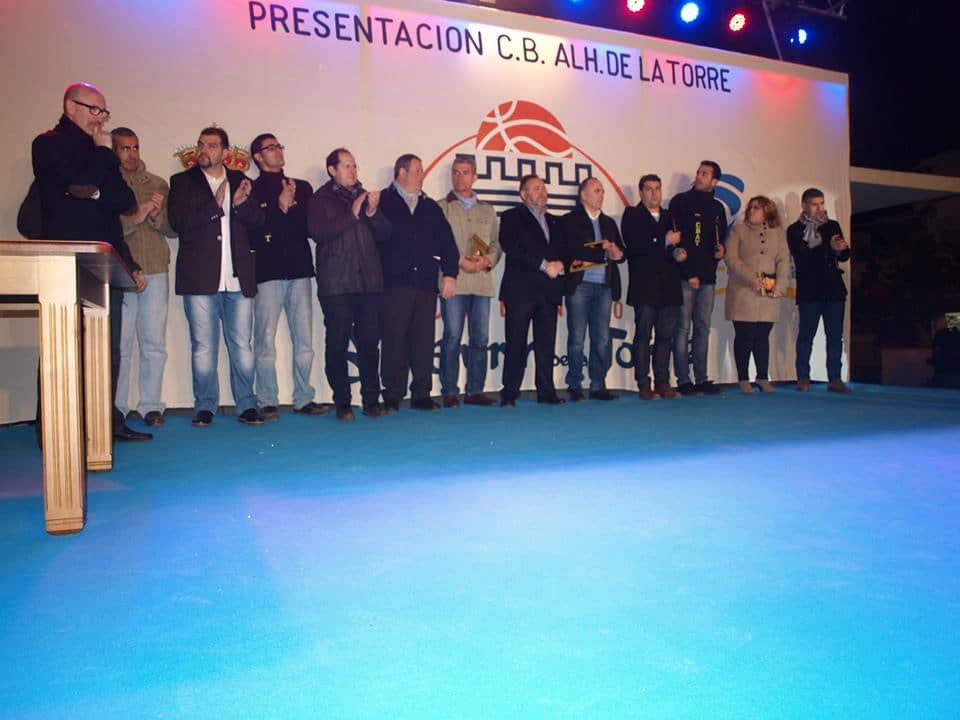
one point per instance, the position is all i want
(767, 283)
(478, 246)
(582, 265)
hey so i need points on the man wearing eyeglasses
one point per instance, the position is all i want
(83, 195)
(284, 272)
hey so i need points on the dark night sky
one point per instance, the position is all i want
(903, 90)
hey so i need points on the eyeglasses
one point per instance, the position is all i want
(275, 146)
(95, 110)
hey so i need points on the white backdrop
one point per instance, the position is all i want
(432, 78)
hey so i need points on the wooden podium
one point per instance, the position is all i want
(68, 278)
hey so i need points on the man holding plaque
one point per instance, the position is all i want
(474, 225)
(591, 248)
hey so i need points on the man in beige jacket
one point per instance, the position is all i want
(144, 314)
(474, 225)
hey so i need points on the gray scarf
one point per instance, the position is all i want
(811, 230)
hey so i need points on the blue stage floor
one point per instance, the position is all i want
(784, 556)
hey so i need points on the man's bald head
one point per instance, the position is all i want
(85, 106)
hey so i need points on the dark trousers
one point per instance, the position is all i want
(409, 323)
(519, 314)
(810, 314)
(356, 316)
(751, 338)
(663, 322)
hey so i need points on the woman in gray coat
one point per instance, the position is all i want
(758, 264)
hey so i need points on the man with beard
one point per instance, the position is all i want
(346, 224)
(82, 197)
(211, 208)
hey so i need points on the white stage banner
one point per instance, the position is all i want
(523, 94)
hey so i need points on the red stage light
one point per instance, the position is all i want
(738, 21)
(636, 6)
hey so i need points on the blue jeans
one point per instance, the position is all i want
(294, 298)
(697, 311)
(205, 315)
(589, 307)
(810, 314)
(475, 310)
(144, 316)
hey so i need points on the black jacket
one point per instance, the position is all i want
(702, 222)
(348, 260)
(66, 156)
(654, 276)
(526, 247)
(421, 244)
(576, 229)
(819, 278)
(281, 245)
(195, 215)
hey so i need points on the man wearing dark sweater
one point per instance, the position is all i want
(284, 272)
(817, 246)
(421, 248)
(702, 224)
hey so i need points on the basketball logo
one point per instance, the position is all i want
(518, 137)
(523, 127)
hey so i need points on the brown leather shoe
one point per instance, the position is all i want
(575, 395)
(667, 392)
(451, 401)
(374, 410)
(479, 399)
(803, 385)
(646, 393)
(838, 386)
(345, 412)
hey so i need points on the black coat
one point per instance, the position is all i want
(281, 245)
(819, 278)
(654, 275)
(66, 156)
(702, 222)
(576, 229)
(421, 244)
(526, 247)
(348, 260)
(195, 215)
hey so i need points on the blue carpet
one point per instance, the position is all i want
(784, 556)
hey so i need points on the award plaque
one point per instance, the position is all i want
(478, 246)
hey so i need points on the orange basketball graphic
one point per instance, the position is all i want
(523, 127)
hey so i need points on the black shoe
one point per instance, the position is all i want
(154, 418)
(125, 433)
(424, 404)
(603, 395)
(391, 407)
(686, 388)
(270, 413)
(375, 410)
(551, 400)
(508, 402)
(202, 418)
(575, 395)
(708, 388)
(311, 408)
(251, 416)
(345, 412)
